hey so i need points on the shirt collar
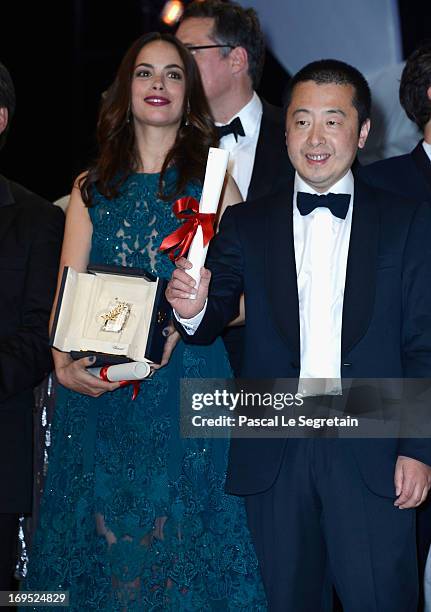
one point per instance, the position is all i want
(250, 115)
(344, 185)
(427, 148)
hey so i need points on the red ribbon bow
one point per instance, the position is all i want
(123, 383)
(179, 241)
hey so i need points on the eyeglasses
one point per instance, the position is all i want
(194, 48)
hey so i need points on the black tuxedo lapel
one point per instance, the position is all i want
(271, 161)
(280, 268)
(7, 208)
(6, 196)
(361, 267)
(423, 164)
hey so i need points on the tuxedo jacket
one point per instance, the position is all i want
(271, 163)
(408, 175)
(31, 232)
(272, 168)
(386, 322)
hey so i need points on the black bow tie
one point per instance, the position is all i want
(338, 203)
(234, 127)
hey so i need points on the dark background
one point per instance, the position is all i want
(63, 54)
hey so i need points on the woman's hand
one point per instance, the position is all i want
(73, 375)
(240, 319)
(172, 338)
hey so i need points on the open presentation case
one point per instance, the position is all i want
(115, 313)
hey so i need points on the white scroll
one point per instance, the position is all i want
(134, 370)
(213, 184)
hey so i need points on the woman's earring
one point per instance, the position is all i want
(187, 122)
(129, 114)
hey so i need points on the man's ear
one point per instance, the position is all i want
(363, 134)
(4, 116)
(429, 92)
(239, 60)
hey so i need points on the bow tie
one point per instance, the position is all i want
(234, 127)
(338, 203)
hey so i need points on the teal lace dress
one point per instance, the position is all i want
(134, 517)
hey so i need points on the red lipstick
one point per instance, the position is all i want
(157, 100)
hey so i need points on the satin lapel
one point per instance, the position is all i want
(280, 268)
(271, 158)
(360, 284)
(423, 163)
(6, 196)
(7, 208)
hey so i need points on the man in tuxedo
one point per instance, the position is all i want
(31, 231)
(228, 45)
(337, 281)
(410, 175)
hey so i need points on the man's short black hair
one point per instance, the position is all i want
(415, 82)
(7, 98)
(329, 71)
(236, 26)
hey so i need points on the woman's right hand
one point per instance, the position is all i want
(73, 375)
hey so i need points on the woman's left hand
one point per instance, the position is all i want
(172, 338)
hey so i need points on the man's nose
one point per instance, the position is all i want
(316, 136)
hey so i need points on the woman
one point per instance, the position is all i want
(133, 517)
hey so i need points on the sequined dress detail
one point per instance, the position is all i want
(134, 517)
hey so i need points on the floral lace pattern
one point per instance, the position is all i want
(133, 516)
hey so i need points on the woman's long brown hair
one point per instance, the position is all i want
(118, 154)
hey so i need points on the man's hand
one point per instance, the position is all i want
(182, 285)
(412, 482)
(172, 338)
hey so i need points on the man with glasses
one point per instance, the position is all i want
(227, 43)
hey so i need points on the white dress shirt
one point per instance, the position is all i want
(427, 149)
(321, 247)
(243, 152)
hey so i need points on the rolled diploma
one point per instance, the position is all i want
(134, 370)
(213, 184)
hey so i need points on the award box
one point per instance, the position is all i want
(116, 313)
